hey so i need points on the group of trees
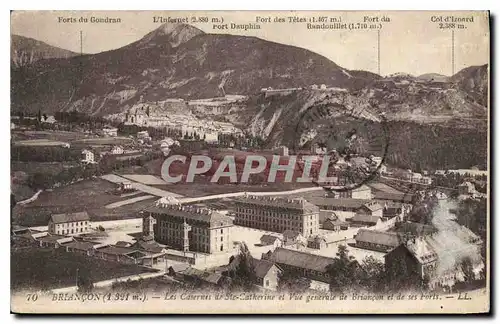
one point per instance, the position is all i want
(435, 147)
(108, 164)
(44, 154)
(453, 180)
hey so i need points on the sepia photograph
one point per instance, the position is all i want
(250, 162)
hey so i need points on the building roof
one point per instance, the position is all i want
(123, 244)
(378, 237)
(117, 250)
(373, 206)
(317, 239)
(50, 238)
(210, 277)
(179, 267)
(335, 222)
(360, 218)
(261, 267)
(268, 239)
(193, 213)
(402, 197)
(289, 234)
(338, 202)
(69, 217)
(148, 246)
(279, 202)
(301, 259)
(80, 245)
(361, 188)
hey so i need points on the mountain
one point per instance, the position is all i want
(26, 51)
(433, 77)
(474, 81)
(173, 61)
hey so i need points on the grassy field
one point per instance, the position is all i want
(49, 168)
(39, 142)
(104, 141)
(46, 135)
(90, 195)
(49, 269)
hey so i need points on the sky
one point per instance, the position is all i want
(411, 42)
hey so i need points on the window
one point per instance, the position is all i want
(222, 247)
(267, 283)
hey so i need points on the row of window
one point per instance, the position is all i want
(72, 231)
(74, 224)
(265, 212)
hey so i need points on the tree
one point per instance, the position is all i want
(343, 271)
(242, 272)
(84, 281)
(293, 282)
(372, 274)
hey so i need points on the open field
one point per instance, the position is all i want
(104, 141)
(49, 168)
(48, 269)
(46, 135)
(40, 142)
(89, 195)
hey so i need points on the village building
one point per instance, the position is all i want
(362, 192)
(376, 240)
(202, 279)
(277, 214)
(116, 150)
(83, 247)
(48, 240)
(421, 256)
(317, 242)
(368, 215)
(344, 208)
(334, 223)
(123, 255)
(69, 224)
(395, 209)
(189, 228)
(143, 135)
(267, 274)
(271, 240)
(110, 131)
(303, 264)
(49, 120)
(88, 156)
(293, 238)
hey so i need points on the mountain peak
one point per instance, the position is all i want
(175, 34)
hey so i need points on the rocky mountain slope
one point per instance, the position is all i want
(473, 80)
(172, 62)
(26, 51)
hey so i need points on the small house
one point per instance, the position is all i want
(376, 240)
(317, 242)
(116, 150)
(266, 274)
(293, 237)
(267, 239)
(335, 225)
(88, 156)
(69, 223)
